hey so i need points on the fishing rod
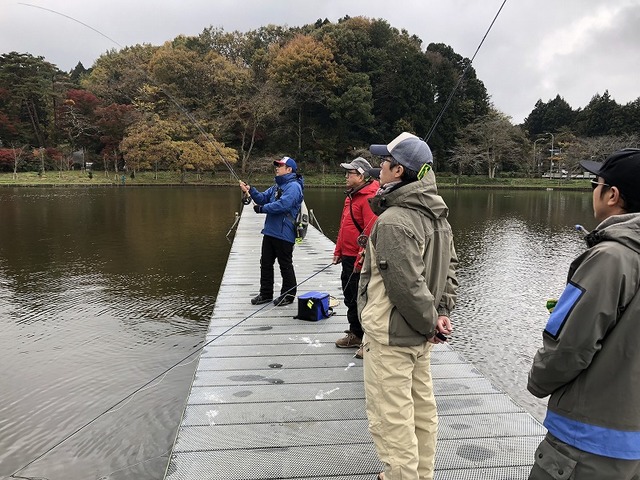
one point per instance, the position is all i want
(464, 72)
(224, 160)
(207, 136)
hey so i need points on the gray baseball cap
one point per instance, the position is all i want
(406, 149)
(358, 164)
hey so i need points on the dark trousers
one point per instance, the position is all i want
(350, 279)
(272, 249)
(556, 459)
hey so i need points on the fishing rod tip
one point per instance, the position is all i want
(581, 229)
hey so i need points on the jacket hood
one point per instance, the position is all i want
(289, 177)
(624, 229)
(421, 195)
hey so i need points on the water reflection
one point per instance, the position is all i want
(100, 291)
(514, 249)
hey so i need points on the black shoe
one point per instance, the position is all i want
(283, 300)
(259, 300)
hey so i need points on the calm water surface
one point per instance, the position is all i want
(103, 289)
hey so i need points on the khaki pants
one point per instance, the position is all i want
(401, 408)
(555, 460)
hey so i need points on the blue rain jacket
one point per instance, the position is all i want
(281, 202)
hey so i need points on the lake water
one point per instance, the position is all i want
(102, 289)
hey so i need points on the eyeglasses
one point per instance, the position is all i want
(594, 184)
(391, 160)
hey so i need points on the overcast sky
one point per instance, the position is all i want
(536, 49)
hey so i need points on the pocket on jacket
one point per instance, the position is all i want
(552, 462)
(399, 328)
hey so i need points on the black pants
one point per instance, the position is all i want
(350, 279)
(272, 249)
(556, 459)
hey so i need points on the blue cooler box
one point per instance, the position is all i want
(313, 306)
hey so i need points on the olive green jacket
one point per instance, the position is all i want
(590, 360)
(408, 276)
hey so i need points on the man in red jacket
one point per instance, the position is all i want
(355, 225)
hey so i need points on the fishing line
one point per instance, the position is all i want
(208, 137)
(163, 374)
(464, 72)
(141, 462)
(121, 403)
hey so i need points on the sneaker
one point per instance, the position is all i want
(283, 300)
(350, 340)
(259, 300)
(359, 353)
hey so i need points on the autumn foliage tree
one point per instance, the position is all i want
(320, 92)
(77, 118)
(304, 70)
(112, 122)
(158, 144)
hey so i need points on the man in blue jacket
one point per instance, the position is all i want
(281, 203)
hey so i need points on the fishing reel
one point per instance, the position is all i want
(246, 198)
(362, 240)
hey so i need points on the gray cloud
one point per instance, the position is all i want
(536, 49)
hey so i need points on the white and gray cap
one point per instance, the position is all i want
(406, 149)
(359, 164)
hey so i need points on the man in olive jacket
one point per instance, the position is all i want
(407, 289)
(590, 359)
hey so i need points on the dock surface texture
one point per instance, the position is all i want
(273, 398)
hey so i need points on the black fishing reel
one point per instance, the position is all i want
(246, 199)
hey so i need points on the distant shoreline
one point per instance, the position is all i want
(77, 179)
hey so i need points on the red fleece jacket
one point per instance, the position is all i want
(347, 242)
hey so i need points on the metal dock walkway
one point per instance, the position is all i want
(273, 398)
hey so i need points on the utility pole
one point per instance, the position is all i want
(551, 160)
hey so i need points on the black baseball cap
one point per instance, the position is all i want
(621, 169)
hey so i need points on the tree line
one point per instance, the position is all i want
(319, 93)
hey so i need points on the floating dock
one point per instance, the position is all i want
(273, 398)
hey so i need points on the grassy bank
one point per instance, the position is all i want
(77, 178)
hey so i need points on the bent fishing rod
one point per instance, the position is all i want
(464, 72)
(207, 136)
(224, 160)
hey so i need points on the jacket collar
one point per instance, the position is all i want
(420, 195)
